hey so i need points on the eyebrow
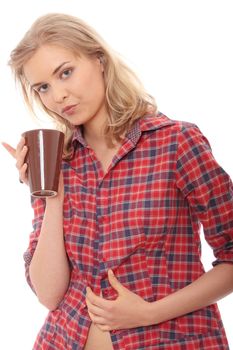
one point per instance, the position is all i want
(53, 73)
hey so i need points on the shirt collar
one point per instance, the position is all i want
(78, 136)
(155, 121)
(147, 123)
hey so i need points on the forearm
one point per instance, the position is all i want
(206, 290)
(49, 269)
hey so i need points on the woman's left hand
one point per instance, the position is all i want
(128, 310)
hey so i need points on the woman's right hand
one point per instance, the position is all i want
(19, 154)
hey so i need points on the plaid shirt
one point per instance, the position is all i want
(142, 219)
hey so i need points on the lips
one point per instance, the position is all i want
(69, 109)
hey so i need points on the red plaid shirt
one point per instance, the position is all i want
(142, 219)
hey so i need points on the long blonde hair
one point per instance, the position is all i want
(126, 97)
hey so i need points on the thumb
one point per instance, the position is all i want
(10, 149)
(115, 283)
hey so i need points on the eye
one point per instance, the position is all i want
(66, 73)
(42, 88)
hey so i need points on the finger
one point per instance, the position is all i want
(20, 156)
(20, 144)
(95, 299)
(19, 147)
(104, 327)
(94, 309)
(10, 149)
(96, 319)
(23, 173)
(115, 283)
(100, 323)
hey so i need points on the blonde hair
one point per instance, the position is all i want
(126, 98)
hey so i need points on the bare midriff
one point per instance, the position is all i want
(98, 340)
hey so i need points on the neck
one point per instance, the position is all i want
(94, 134)
(93, 130)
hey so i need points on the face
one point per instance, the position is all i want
(72, 87)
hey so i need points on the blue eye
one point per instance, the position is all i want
(43, 88)
(66, 73)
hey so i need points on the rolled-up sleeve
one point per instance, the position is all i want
(208, 189)
(38, 206)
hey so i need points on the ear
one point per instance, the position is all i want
(101, 62)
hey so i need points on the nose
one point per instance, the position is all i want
(59, 94)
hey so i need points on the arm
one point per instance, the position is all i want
(208, 289)
(130, 311)
(209, 191)
(49, 268)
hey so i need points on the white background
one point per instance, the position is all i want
(181, 50)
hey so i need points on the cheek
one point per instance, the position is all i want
(96, 87)
(92, 80)
(46, 101)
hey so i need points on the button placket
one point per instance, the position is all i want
(103, 220)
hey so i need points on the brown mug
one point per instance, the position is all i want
(44, 156)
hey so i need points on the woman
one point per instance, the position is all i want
(115, 256)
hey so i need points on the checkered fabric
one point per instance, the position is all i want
(142, 219)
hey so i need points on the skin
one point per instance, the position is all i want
(60, 79)
(130, 311)
(80, 82)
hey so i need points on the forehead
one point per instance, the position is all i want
(45, 60)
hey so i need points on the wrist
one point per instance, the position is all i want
(149, 314)
(153, 313)
(54, 203)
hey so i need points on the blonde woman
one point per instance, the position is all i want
(115, 256)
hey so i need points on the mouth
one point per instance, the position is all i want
(69, 110)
